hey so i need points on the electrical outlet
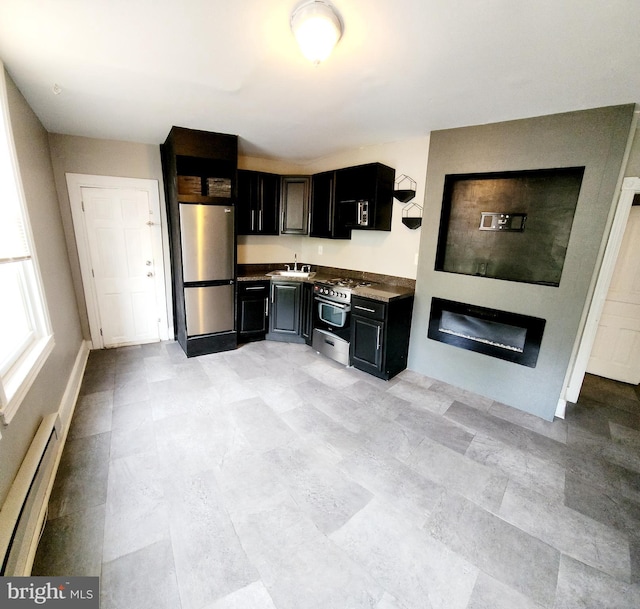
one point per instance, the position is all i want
(320, 250)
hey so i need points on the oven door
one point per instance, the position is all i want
(333, 314)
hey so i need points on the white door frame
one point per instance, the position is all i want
(575, 376)
(75, 183)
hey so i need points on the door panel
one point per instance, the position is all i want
(207, 234)
(209, 309)
(366, 346)
(616, 350)
(122, 260)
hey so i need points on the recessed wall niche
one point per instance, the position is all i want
(509, 225)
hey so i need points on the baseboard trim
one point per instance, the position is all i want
(65, 412)
(63, 415)
(561, 408)
(70, 396)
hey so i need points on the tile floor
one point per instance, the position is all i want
(270, 477)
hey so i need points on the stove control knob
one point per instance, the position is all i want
(332, 293)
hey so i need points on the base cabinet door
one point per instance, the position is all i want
(380, 335)
(366, 341)
(306, 312)
(253, 310)
(284, 311)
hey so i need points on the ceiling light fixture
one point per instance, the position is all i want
(317, 28)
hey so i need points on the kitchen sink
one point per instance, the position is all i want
(301, 274)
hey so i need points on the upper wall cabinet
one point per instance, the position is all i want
(324, 220)
(295, 192)
(364, 196)
(200, 166)
(258, 204)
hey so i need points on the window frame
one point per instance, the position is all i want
(20, 374)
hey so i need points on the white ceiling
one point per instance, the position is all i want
(129, 69)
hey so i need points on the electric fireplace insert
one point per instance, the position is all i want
(509, 336)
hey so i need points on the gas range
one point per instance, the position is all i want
(338, 289)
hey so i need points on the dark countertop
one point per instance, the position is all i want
(384, 287)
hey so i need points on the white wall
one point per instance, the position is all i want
(390, 253)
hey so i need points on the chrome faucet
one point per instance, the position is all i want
(295, 262)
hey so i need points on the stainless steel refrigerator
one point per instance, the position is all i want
(207, 234)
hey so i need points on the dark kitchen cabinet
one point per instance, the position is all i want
(380, 335)
(364, 196)
(306, 313)
(285, 311)
(324, 214)
(199, 170)
(258, 205)
(253, 310)
(295, 192)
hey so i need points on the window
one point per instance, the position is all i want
(25, 331)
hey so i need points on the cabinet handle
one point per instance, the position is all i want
(266, 307)
(253, 220)
(378, 340)
(364, 309)
(258, 287)
(260, 220)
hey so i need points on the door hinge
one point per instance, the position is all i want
(100, 331)
(92, 273)
(82, 203)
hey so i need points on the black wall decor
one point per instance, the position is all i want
(483, 230)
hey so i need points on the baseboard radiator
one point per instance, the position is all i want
(24, 512)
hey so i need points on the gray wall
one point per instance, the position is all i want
(596, 139)
(633, 167)
(32, 148)
(74, 154)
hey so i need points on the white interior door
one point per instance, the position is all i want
(119, 225)
(616, 350)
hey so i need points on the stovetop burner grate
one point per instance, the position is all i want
(345, 282)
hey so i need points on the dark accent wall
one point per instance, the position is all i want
(597, 140)
(535, 252)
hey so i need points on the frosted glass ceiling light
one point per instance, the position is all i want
(317, 28)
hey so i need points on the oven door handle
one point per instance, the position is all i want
(338, 305)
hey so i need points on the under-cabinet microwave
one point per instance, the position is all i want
(354, 213)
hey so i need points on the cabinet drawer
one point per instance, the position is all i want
(253, 289)
(368, 308)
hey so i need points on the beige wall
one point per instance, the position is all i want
(254, 249)
(390, 253)
(45, 395)
(73, 154)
